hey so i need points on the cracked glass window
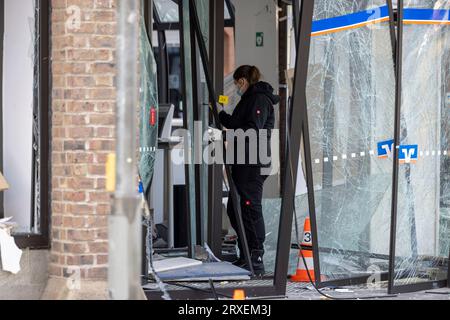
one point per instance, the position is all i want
(167, 10)
(203, 15)
(422, 233)
(148, 109)
(351, 107)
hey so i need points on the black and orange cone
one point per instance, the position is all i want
(306, 252)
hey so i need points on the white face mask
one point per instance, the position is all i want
(239, 91)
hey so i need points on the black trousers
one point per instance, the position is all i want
(250, 186)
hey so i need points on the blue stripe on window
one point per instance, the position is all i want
(350, 19)
(426, 15)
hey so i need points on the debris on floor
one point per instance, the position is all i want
(175, 264)
(216, 271)
(9, 252)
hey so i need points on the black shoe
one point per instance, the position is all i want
(258, 263)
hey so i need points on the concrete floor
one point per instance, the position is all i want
(30, 282)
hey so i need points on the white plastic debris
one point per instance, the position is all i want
(7, 225)
(9, 252)
(344, 291)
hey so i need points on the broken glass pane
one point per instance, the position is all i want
(148, 106)
(272, 213)
(203, 15)
(422, 234)
(351, 107)
(167, 10)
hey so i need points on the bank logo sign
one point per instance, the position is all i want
(407, 153)
(385, 149)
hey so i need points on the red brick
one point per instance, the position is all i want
(83, 134)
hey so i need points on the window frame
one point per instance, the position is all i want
(42, 101)
(2, 32)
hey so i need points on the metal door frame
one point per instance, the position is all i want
(299, 111)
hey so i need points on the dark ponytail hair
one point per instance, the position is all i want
(250, 73)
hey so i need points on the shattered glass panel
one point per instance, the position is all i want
(272, 213)
(423, 217)
(148, 104)
(351, 107)
(331, 9)
(167, 10)
(203, 15)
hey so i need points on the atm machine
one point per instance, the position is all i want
(166, 176)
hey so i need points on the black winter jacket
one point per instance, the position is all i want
(254, 111)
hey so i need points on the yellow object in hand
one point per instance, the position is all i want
(224, 100)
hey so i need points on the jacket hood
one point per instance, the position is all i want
(266, 89)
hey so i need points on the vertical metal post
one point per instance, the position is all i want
(398, 103)
(216, 61)
(392, 29)
(163, 56)
(296, 13)
(299, 116)
(197, 109)
(283, 92)
(125, 222)
(188, 117)
(201, 116)
(148, 14)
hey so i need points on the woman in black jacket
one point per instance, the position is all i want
(255, 112)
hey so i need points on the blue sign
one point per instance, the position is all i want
(409, 154)
(385, 149)
(406, 153)
(350, 21)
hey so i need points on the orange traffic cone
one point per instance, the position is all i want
(307, 235)
(239, 295)
(307, 253)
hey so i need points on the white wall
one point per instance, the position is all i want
(254, 16)
(18, 109)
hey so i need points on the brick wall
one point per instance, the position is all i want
(83, 103)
